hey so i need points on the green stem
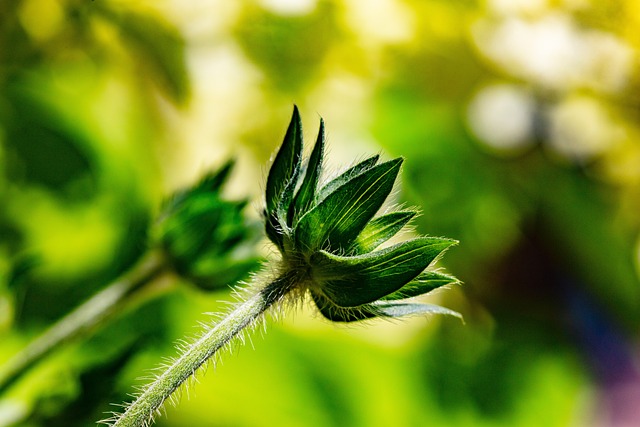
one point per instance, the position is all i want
(83, 318)
(141, 411)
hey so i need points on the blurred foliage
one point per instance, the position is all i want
(289, 50)
(78, 184)
(518, 121)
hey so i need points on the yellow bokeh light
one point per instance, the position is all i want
(42, 19)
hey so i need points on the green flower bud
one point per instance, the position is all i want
(328, 235)
(206, 236)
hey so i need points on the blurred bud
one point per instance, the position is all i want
(207, 237)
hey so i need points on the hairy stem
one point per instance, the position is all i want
(140, 412)
(83, 318)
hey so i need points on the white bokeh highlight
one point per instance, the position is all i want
(502, 116)
(581, 128)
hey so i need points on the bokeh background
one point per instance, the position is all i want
(519, 121)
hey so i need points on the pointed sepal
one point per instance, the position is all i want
(281, 181)
(356, 280)
(336, 221)
(342, 314)
(306, 195)
(345, 176)
(376, 309)
(426, 282)
(379, 230)
(411, 309)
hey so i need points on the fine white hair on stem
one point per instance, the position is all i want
(180, 373)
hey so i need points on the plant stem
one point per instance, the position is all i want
(140, 412)
(83, 318)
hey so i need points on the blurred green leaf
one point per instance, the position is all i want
(159, 46)
(44, 150)
(288, 49)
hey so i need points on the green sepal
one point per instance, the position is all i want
(284, 212)
(345, 176)
(426, 282)
(284, 165)
(379, 230)
(307, 193)
(336, 221)
(342, 314)
(274, 231)
(387, 309)
(376, 309)
(361, 279)
(282, 178)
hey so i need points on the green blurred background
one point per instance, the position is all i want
(519, 121)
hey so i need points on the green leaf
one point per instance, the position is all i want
(379, 230)
(361, 279)
(338, 219)
(158, 43)
(347, 175)
(425, 282)
(307, 192)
